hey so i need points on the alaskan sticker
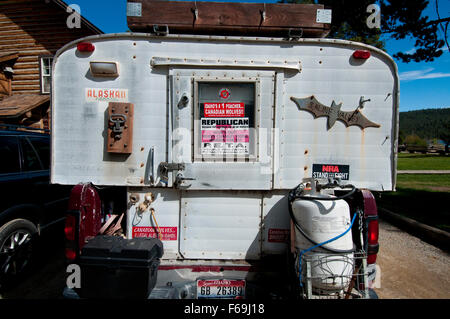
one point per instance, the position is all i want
(325, 171)
(106, 95)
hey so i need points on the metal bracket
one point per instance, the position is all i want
(161, 29)
(294, 34)
(164, 166)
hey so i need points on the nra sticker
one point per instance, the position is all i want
(224, 93)
(325, 171)
(278, 235)
(167, 233)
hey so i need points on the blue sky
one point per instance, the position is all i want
(423, 85)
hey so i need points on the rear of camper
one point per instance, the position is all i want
(250, 159)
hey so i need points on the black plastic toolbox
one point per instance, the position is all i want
(117, 268)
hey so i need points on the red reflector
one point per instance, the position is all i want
(85, 47)
(361, 54)
(373, 232)
(70, 254)
(69, 228)
(372, 259)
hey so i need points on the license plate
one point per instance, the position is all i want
(220, 288)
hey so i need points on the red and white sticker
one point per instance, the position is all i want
(167, 233)
(236, 109)
(277, 235)
(224, 93)
(106, 95)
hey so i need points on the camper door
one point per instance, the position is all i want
(222, 128)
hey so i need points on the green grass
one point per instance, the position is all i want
(427, 182)
(423, 197)
(407, 161)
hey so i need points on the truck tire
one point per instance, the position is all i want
(16, 247)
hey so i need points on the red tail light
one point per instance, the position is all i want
(373, 232)
(85, 47)
(70, 227)
(372, 241)
(71, 254)
(361, 54)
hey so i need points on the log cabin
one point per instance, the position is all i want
(31, 31)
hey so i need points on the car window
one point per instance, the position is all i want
(9, 159)
(30, 159)
(42, 147)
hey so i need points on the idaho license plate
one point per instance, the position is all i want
(220, 288)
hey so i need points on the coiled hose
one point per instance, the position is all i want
(292, 196)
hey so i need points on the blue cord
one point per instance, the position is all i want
(318, 245)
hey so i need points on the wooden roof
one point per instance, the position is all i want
(5, 57)
(16, 105)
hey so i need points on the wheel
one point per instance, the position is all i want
(16, 241)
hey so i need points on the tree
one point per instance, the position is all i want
(415, 140)
(399, 19)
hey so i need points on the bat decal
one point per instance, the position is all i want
(334, 112)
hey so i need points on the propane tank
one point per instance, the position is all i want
(322, 220)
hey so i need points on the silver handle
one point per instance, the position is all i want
(151, 161)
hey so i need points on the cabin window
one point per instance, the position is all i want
(46, 74)
(225, 121)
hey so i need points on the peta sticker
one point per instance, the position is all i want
(325, 171)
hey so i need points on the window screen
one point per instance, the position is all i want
(226, 120)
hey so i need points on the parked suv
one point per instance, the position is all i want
(29, 204)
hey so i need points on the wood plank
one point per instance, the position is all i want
(227, 18)
(26, 72)
(26, 18)
(57, 32)
(26, 91)
(27, 83)
(25, 87)
(7, 57)
(21, 47)
(34, 53)
(19, 66)
(18, 77)
(58, 37)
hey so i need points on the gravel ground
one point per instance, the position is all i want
(411, 268)
(408, 269)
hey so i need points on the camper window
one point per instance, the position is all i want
(225, 121)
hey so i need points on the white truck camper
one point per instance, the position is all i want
(247, 162)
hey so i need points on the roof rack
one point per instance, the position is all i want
(12, 127)
(286, 20)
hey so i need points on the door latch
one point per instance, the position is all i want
(120, 127)
(118, 121)
(165, 168)
(180, 178)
